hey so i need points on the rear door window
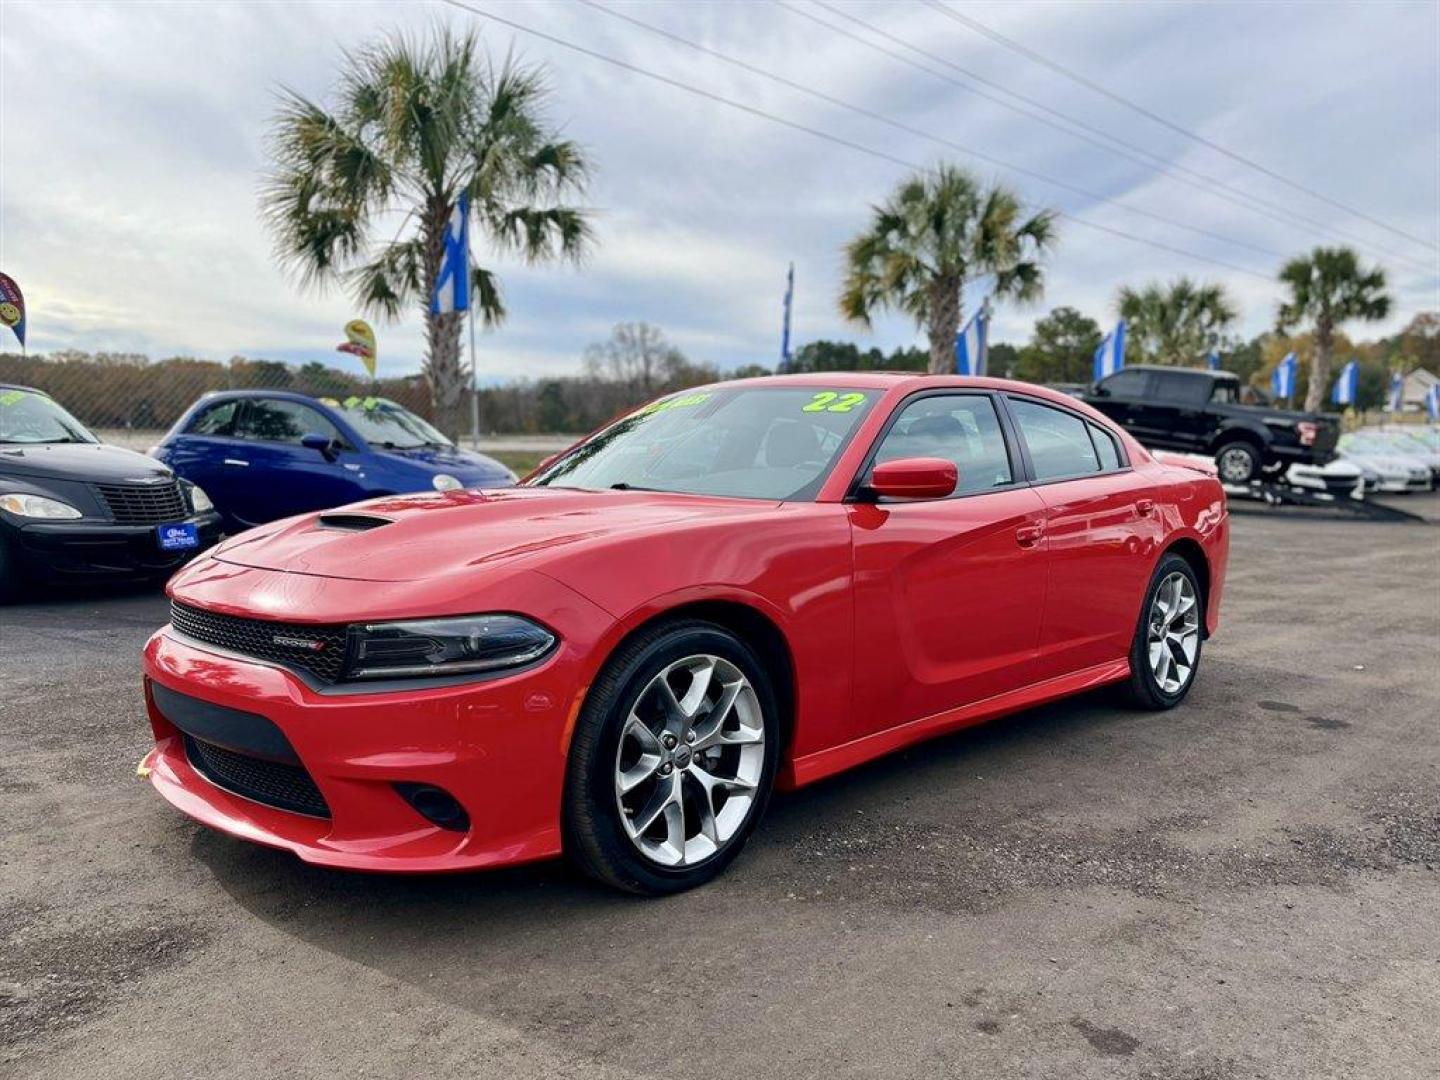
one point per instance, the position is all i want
(1059, 441)
(1105, 447)
(1180, 387)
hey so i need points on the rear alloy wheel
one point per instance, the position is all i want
(1237, 463)
(1165, 654)
(672, 760)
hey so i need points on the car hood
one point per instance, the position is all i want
(93, 462)
(414, 537)
(462, 463)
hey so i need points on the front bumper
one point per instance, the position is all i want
(88, 549)
(498, 747)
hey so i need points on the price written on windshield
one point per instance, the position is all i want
(833, 401)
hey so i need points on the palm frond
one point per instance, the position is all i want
(486, 294)
(392, 280)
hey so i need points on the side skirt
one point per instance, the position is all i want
(823, 763)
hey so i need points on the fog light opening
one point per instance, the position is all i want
(435, 805)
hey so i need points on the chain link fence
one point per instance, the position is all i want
(131, 400)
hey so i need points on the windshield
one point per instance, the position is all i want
(28, 417)
(1379, 444)
(753, 443)
(381, 422)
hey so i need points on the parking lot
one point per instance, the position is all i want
(1248, 886)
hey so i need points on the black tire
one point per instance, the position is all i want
(1238, 462)
(595, 839)
(1143, 689)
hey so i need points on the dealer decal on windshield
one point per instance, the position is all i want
(684, 402)
(11, 397)
(833, 401)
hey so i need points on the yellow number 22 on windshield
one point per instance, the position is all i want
(833, 401)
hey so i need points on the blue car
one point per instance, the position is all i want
(267, 454)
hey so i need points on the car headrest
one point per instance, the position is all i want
(790, 442)
(939, 426)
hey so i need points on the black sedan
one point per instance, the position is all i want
(73, 508)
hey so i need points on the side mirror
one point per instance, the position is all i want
(914, 478)
(313, 440)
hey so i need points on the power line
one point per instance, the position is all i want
(820, 134)
(1074, 76)
(1200, 181)
(902, 126)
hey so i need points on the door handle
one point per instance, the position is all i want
(237, 462)
(1145, 507)
(1029, 535)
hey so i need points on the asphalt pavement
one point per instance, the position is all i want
(1248, 886)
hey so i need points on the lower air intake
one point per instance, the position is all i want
(274, 783)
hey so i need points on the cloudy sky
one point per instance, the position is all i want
(132, 141)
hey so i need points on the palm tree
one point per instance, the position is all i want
(1176, 323)
(1329, 288)
(361, 193)
(937, 231)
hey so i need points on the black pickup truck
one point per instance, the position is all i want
(1199, 412)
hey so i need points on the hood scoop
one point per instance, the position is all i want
(352, 522)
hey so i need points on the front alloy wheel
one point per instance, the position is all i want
(672, 759)
(689, 761)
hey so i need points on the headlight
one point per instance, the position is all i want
(446, 482)
(37, 506)
(199, 501)
(430, 647)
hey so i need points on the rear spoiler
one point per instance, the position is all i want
(1193, 462)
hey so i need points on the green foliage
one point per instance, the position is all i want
(937, 231)
(1328, 288)
(1003, 360)
(1244, 359)
(360, 193)
(824, 355)
(1061, 349)
(1176, 323)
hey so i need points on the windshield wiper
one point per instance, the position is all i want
(623, 486)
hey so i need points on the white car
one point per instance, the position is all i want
(1399, 468)
(1336, 479)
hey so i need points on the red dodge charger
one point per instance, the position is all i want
(744, 586)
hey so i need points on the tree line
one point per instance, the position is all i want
(638, 362)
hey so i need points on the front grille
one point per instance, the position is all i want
(144, 504)
(317, 650)
(274, 783)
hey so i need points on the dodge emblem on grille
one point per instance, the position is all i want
(287, 642)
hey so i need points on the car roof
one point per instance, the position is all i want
(261, 392)
(18, 386)
(1206, 372)
(898, 382)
